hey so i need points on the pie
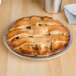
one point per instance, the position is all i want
(37, 36)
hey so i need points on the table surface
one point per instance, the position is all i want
(12, 65)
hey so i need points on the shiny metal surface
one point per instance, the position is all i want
(37, 58)
(53, 6)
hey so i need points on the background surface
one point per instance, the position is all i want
(12, 65)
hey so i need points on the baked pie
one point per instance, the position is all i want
(37, 36)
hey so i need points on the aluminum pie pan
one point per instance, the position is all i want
(37, 58)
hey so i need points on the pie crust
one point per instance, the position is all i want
(37, 36)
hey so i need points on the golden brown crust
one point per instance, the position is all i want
(37, 36)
